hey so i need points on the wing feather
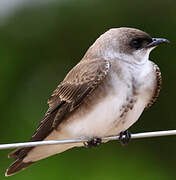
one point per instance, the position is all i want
(79, 82)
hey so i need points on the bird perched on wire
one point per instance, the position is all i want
(103, 95)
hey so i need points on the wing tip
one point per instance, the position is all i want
(12, 154)
(17, 166)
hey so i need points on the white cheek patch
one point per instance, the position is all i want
(137, 57)
(111, 54)
(142, 55)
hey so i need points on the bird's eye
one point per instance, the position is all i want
(136, 43)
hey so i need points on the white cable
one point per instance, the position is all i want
(81, 140)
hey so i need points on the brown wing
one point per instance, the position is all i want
(157, 87)
(79, 82)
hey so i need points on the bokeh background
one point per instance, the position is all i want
(40, 41)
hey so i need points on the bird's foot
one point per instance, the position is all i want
(94, 142)
(124, 140)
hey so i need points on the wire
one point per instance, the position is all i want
(82, 140)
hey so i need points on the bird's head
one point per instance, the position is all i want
(127, 44)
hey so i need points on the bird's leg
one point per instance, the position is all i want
(124, 140)
(94, 142)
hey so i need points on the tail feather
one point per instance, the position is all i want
(19, 153)
(13, 154)
(16, 166)
(43, 131)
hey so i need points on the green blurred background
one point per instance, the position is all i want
(40, 42)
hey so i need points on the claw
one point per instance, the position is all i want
(124, 140)
(94, 142)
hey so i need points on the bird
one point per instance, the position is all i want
(103, 95)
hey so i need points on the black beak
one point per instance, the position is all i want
(157, 41)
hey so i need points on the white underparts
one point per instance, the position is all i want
(105, 118)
